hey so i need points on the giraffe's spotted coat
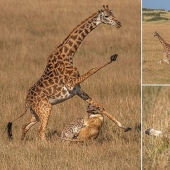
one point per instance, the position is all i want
(61, 80)
(166, 49)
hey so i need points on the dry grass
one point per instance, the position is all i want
(156, 112)
(153, 73)
(29, 32)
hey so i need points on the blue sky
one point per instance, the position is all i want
(156, 4)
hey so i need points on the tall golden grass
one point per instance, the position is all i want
(156, 112)
(29, 32)
(152, 72)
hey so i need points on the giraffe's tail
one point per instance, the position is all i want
(9, 125)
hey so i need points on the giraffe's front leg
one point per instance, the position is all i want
(88, 99)
(93, 71)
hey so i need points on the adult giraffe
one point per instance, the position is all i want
(166, 49)
(61, 80)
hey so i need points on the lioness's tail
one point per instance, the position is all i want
(9, 125)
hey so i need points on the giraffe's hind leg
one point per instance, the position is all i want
(26, 127)
(165, 58)
(43, 112)
(43, 125)
(40, 113)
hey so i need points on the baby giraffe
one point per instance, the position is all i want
(84, 129)
(160, 133)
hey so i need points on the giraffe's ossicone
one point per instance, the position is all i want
(61, 79)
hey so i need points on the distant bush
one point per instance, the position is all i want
(157, 18)
(147, 9)
(160, 9)
(154, 13)
(162, 12)
(151, 14)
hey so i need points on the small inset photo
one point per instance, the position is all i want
(156, 41)
(156, 127)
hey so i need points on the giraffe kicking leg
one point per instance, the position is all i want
(92, 71)
(89, 100)
(26, 127)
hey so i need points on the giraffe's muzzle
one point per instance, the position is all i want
(118, 24)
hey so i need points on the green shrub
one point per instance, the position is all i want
(147, 9)
(157, 18)
(151, 14)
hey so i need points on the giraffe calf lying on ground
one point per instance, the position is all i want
(153, 132)
(163, 133)
(84, 129)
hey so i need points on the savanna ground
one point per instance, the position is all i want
(156, 112)
(29, 32)
(152, 72)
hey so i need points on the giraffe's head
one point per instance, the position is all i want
(106, 16)
(156, 34)
(93, 110)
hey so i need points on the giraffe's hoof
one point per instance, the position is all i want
(114, 57)
(127, 129)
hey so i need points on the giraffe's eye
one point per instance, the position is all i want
(106, 16)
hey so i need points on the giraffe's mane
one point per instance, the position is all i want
(76, 28)
(163, 39)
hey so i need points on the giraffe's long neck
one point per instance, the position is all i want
(70, 45)
(162, 41)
